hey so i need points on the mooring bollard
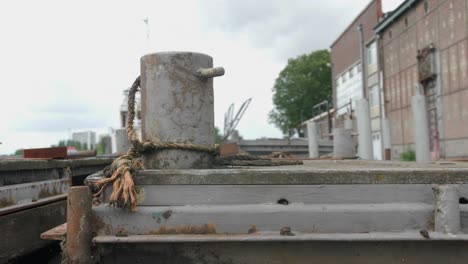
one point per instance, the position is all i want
(78, 243)
(364, 130)
(313, 139)
(343, 143)
(447, 209)
(177, 106)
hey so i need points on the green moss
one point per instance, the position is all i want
(408, 155)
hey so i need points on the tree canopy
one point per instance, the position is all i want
(303, 83)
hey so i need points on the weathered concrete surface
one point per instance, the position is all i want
(238, 219)
(20, 231)
(177, 106)
(28, 192)
(313, 172)
(177, 195)
(290, 252)
(17, 171)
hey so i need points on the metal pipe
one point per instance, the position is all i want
(79, 239)
(363, 61)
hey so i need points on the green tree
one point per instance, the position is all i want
(67, 143)
(303, 83)
(218, 136)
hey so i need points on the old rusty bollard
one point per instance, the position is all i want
(78, 243)
(177, 106)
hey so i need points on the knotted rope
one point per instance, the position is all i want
(123, 169)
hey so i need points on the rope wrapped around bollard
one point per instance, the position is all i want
(123, 169)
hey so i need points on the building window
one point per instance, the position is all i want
(426, 6)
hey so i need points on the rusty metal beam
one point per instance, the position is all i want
(56, 233)
(46, 153)
(79, 204)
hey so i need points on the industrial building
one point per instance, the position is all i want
(424, 49)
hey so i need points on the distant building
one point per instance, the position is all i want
(424, 46)
(86, 138)
(348, 72)
(124, 110)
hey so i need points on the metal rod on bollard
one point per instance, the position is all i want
(78, 243)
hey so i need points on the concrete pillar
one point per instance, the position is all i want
(312, 137)
(420, 128)
(122, 144)
(387, 138)
(343, 143)
(364, 130)
(177, 106)
(348, 123)
(79, 236)
(447, 210)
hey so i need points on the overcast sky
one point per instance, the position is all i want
(64, 64)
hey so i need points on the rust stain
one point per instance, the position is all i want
(252, 229)
(44, 192)
(99, 227)
(203, 229)
(5, 202)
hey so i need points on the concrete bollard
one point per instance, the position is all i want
(447, 209)
(364, 130)
(78, 246)
(348, 123)
(421, 129)
(343, 143)
(177, 106)
(313, 139)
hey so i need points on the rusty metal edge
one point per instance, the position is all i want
(406, 236)
(21, 207)
(57, 233)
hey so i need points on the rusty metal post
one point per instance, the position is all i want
(177, 106)
(78, 243)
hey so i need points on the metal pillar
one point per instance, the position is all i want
(177, 106)
(420, 128)
(313, 139)
(78, 246)
(343, 143)
(364, 129)
(447, 211)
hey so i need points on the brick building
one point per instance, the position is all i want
(348, 75)
(423, 44)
